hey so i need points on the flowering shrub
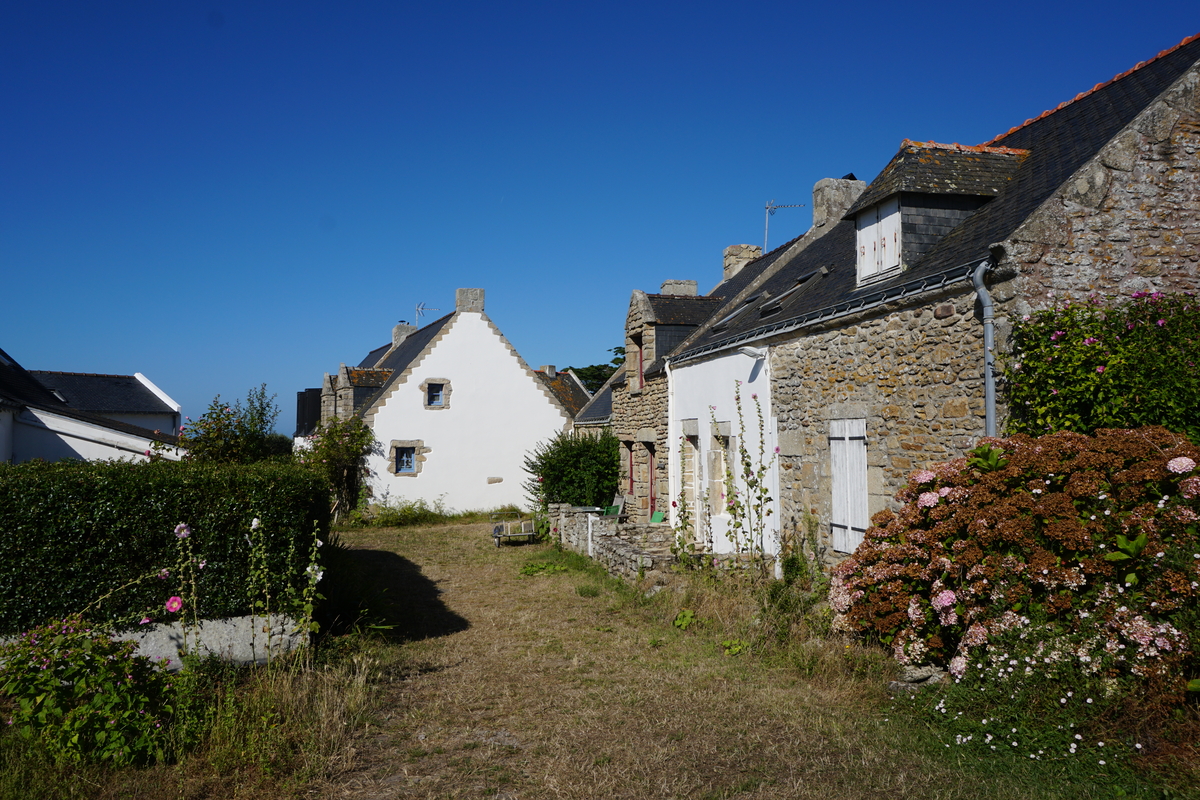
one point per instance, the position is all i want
(1035, 554)
(338, 452)
(1084, 366)
(84, 696)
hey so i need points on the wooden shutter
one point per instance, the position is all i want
(848, 463)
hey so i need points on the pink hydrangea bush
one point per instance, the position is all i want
(1066, 550)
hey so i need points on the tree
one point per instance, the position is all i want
(236, 434)
(574, 468)
(593, 377)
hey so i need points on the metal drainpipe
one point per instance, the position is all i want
(989, 357)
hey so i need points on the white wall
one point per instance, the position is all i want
(42, 434)
(696, 386)
(498, 411)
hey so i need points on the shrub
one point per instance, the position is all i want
(574, 468)
(338, 452)
(84, 696)
(72, 532)
(236, 434)
(1084, 366)
(1064, 554)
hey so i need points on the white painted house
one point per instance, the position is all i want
(454, 407)
(37, 423)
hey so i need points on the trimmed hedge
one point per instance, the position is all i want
(72, 531)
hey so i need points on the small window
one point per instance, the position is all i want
(434, 394)
(878, 239)
(406, 459)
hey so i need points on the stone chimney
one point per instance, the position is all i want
(738, 256)
(832, 198)
(683, 288)
(401, 332)
(549, 371)
(468, 300)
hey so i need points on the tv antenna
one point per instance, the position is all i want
(421, 309)
(770, 212)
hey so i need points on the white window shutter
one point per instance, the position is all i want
(889, 234)
(848, 463)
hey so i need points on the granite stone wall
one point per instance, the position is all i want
(631, 552)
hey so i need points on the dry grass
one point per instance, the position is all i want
(538, 691)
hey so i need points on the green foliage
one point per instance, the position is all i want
(542, 568)
(400, 513)
(338, 452)
(587, 590)
(684, 619)
(1073, 564)
(236, 434)
(735, 647)
(1084, 366)
(594, 376)
(73, 532)
(574, 468)
(84, 696)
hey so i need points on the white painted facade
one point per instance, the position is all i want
(470, 451)
(37, 433)
(702, 393)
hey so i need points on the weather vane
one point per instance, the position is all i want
(770, 212)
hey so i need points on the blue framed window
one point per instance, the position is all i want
(406, 459)
(434, 394)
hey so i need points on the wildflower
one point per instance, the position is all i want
(144, 620)
(203, 563)
(163, 574)
(776, 449)
(183, 530)
(174, 603)
(1162, 322)
(1091, 340)
(254, 524)
(320, 543)
(1100, 368)
(1181, 465)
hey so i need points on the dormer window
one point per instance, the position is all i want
(878, 238)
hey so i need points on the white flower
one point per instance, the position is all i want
(254, 524)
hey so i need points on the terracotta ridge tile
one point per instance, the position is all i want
(1094, 89)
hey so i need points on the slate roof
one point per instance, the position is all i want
(368, 378)
(1058, 143)
(18, 388)
(673, 309)
(598, 410)
(409, 349)
(566, 388)
(935, 168)
(103, 394)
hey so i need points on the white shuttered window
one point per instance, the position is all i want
(848, 462)
(878, 235)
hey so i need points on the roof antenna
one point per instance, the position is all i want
(421, 309)
(770, 212)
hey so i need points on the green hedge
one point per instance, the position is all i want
(72, 531)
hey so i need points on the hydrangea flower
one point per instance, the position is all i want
(923, 476)
(1181, 465)
(928, 499)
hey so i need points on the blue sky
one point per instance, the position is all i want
(224, 194)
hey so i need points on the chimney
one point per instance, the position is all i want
(549, 371)
(738, 256)
(681, 288)
(401, 332)
(468, 300)
(832, 198)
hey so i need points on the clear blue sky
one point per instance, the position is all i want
(230, 193)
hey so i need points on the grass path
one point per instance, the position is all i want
(516, 686)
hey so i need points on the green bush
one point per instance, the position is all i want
(574, 468)
(73, 532)
(1084, 366)
(236, 434)
(1065, 560)
(84, 696)
(338, 452)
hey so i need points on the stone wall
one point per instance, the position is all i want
(631, 552)
(914, 374)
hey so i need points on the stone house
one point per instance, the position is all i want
(874, 342)
(453, 406)
(56, 415)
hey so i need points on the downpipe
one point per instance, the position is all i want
(989, 356)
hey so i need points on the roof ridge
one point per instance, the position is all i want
(965, 148)
(77, 374)
(1188, 40)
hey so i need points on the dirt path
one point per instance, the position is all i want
(523, 687)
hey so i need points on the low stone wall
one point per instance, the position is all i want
(630, 552)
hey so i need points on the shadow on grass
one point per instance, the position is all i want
(384, 593)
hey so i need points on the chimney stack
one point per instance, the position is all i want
(738, 256)
(549, 371)
(468, 300)
(681, 288)
(832, 198)
(401, 332)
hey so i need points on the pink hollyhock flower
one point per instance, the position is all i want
(1181, 465)
(144, 620)
(183, 530)
(174, 603)
(927, 500)
(1162, 322)
(1100, 369)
